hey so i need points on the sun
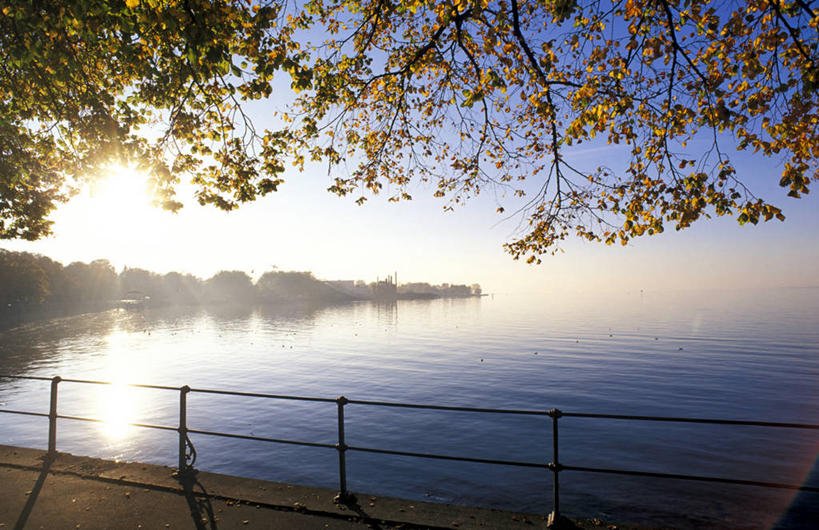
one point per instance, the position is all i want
(114, 217)
(123, 190)
(119, 208)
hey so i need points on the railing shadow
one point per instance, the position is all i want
(350, 502)
(35, 492)
(198, 501)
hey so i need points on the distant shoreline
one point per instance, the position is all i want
(13, 315)
(23, 313)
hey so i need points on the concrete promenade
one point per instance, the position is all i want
(80, 492)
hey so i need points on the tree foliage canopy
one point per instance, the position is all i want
(463, 94)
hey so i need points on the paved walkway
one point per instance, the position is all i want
(79, 492)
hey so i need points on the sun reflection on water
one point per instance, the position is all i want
(118, 410)
(119, 403)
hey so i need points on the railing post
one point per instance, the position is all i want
(183, 429)
(343, 495)
(52, 418)
(554, 520)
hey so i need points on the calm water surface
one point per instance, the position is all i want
(732, 355)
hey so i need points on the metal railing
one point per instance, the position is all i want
(187, 453)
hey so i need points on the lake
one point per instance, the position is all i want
(750, 355)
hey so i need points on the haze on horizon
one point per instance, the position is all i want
(302, 227)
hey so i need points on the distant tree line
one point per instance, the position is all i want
(444, 290)
(34, 279)
(28, 280)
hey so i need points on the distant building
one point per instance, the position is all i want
(387, 289)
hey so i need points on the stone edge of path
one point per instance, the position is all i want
(290, 497)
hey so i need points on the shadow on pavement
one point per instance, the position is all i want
(35, 491)
(351, 502)
(198, 502)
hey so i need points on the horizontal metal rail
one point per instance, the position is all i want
(32, 377)
(447, 407)
(259, 395)
(448, 457)
(187, 452)
(700, 478)
(24, 412)
(443, 407)
(101, 420)
(691, 420)
(110, 383)
(262, 439)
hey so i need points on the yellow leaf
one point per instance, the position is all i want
(132, 3)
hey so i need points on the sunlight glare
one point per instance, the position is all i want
(116, 219)
(118, 410)
(119, 402)
(121, 197)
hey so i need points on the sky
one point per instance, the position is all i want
(304, 227)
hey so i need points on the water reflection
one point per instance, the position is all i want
(387, 313)
(117, 402)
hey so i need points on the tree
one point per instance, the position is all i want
(22, 278)
(89, 82)
(229, 286)
(59, 284)
(466, 94)
(139, 282)
(276, 285)
(92, 282)
(181, 288)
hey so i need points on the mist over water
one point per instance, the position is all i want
(719, 354)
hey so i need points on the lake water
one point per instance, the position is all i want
(729, 355)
